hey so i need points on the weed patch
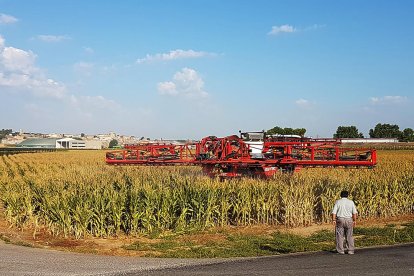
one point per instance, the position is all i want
(244, 245)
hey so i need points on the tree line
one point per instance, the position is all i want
(379, 131)
(286, 131)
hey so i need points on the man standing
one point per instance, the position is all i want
(344, 215)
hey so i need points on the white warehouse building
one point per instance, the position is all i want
(63, 143)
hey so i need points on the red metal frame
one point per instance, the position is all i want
(233, 156)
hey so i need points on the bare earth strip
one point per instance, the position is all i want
(114, 245)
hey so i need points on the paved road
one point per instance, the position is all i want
(397, 260)
(17, 260)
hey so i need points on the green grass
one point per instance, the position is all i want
(246, 245)
(386, 235)
(9, 241)
(4, 238)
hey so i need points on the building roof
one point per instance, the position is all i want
(39, 143)
(66, 139)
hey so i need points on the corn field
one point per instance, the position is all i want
(75, 193)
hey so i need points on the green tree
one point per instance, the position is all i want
(385, 131)
(287, 131)
(5, 132)
(299, 131)
(113, 143)
(407, 135)
(348, 132)
(276, 130)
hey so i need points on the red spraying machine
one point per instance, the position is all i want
(250, 154)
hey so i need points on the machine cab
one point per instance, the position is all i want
(255, 142)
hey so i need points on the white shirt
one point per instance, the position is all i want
(344, 208)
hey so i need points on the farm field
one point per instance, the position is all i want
(75, 195)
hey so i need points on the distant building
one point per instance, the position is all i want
(44, 143)
(12, 140)
(93, 144)
(54, 135)
(60, 143)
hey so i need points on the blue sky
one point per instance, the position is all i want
(188, 69)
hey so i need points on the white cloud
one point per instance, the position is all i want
(305, 104)
(302, 102)
(277, 30)
(19, 73)
(174, 55)
(185, 83)
(314, 27)
(32, 107)
(84, 68)
(282, 29)
(38, 96)
(388, 100)
(37, 86)
(17, 60)
(53, 38)
(88, 50)
(7, 19)
(167, 88)
(88, 102)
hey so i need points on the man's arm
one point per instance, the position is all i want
(354, 213)
(334, 210)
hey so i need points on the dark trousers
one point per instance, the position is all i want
(344, 230)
